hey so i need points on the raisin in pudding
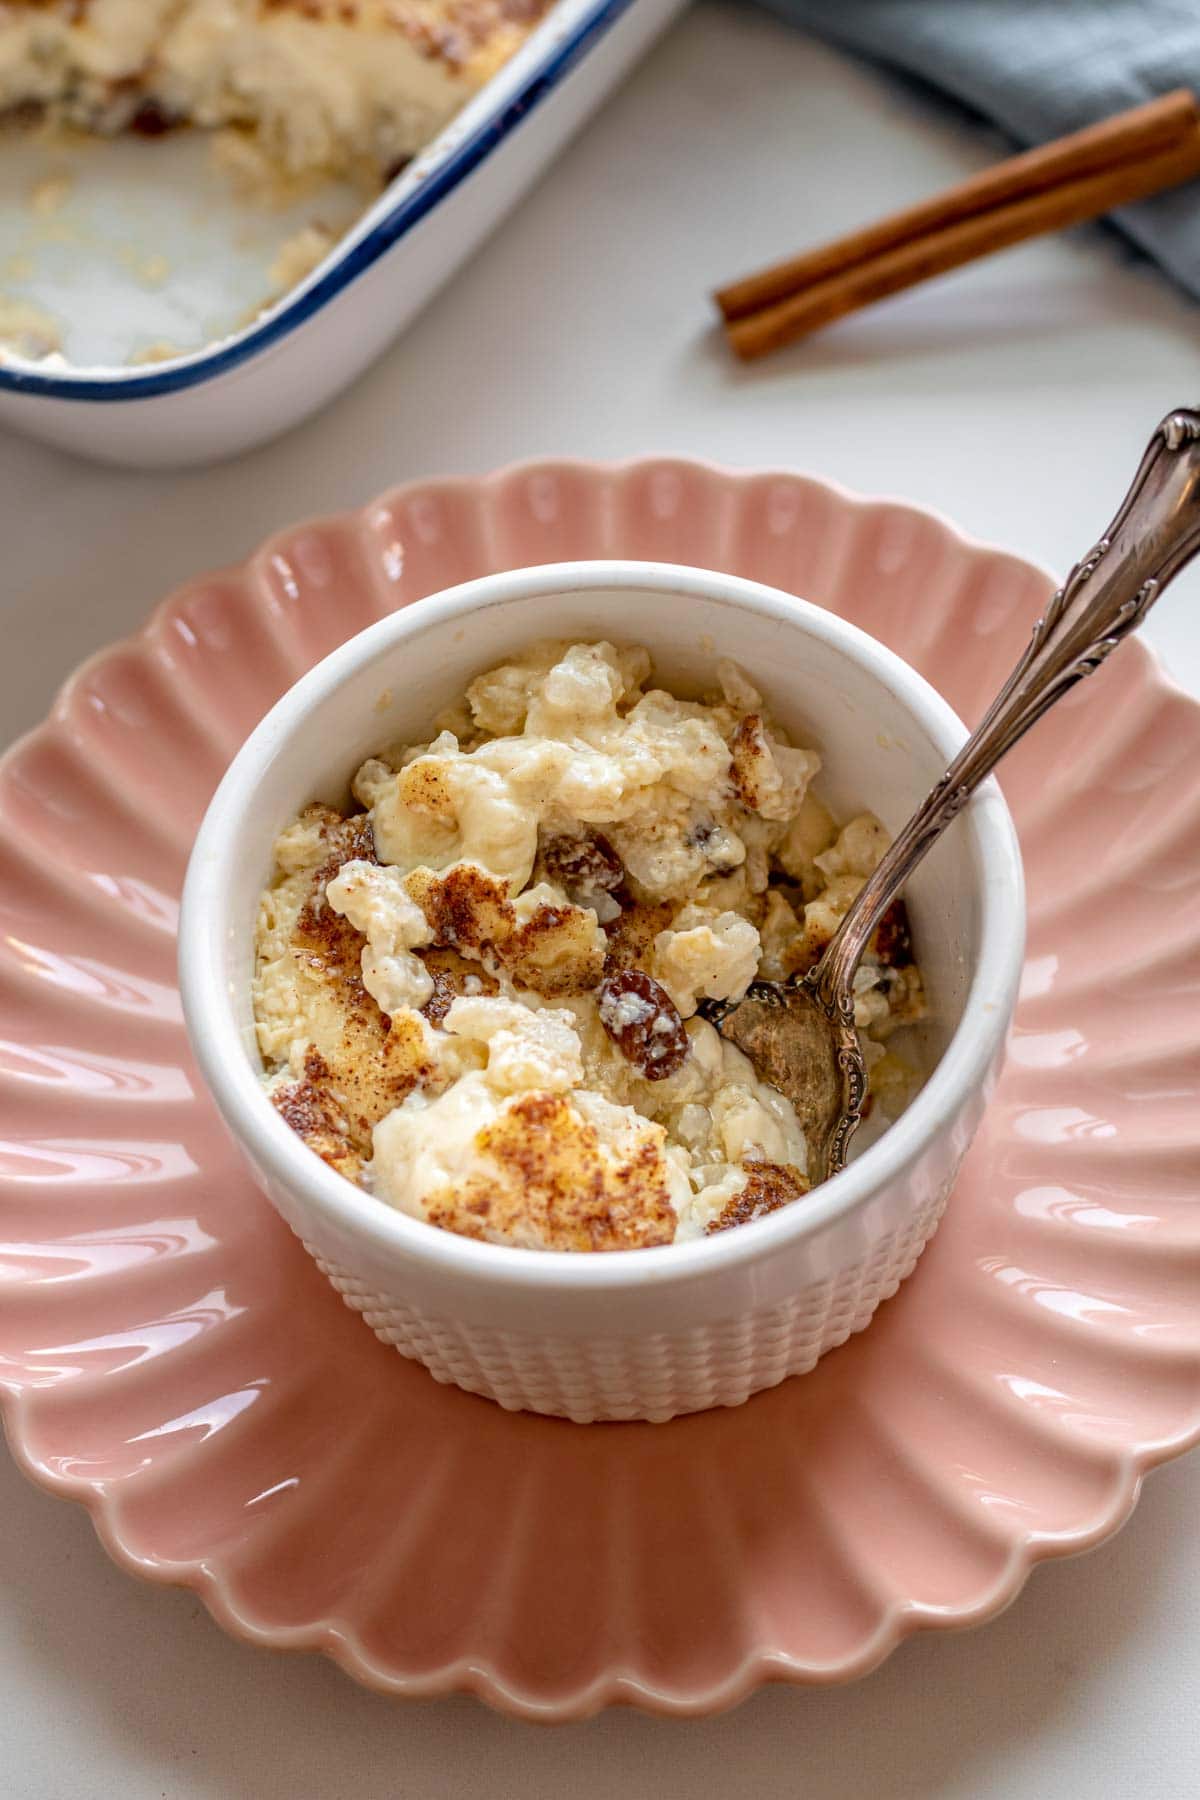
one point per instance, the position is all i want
(477, 996)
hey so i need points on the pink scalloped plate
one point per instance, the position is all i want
(170, 1357)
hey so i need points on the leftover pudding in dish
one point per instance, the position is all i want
(477, 996)
(328, 86)
(315, 105)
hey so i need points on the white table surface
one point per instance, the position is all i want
(1016, 398)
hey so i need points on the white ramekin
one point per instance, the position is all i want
(640, 1334)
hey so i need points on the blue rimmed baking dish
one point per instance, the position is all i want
(250, 384)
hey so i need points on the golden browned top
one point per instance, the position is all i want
(555, 951)
(349, 1085)
(319, 929)
(312, 1109)
(549, 1184)
(768, 1187)
(374, 1061)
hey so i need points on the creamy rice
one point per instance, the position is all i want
(478, 997)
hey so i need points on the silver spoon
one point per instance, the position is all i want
(800, 1034)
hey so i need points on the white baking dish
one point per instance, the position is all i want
(251, 384)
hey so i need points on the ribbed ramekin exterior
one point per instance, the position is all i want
(692, 1356)
(657, 1376)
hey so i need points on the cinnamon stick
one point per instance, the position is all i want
(898, 259)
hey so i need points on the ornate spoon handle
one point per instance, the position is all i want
(1105, 596)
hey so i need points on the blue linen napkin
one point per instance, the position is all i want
(1037, 69)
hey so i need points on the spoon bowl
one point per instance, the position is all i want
(812, 1058)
